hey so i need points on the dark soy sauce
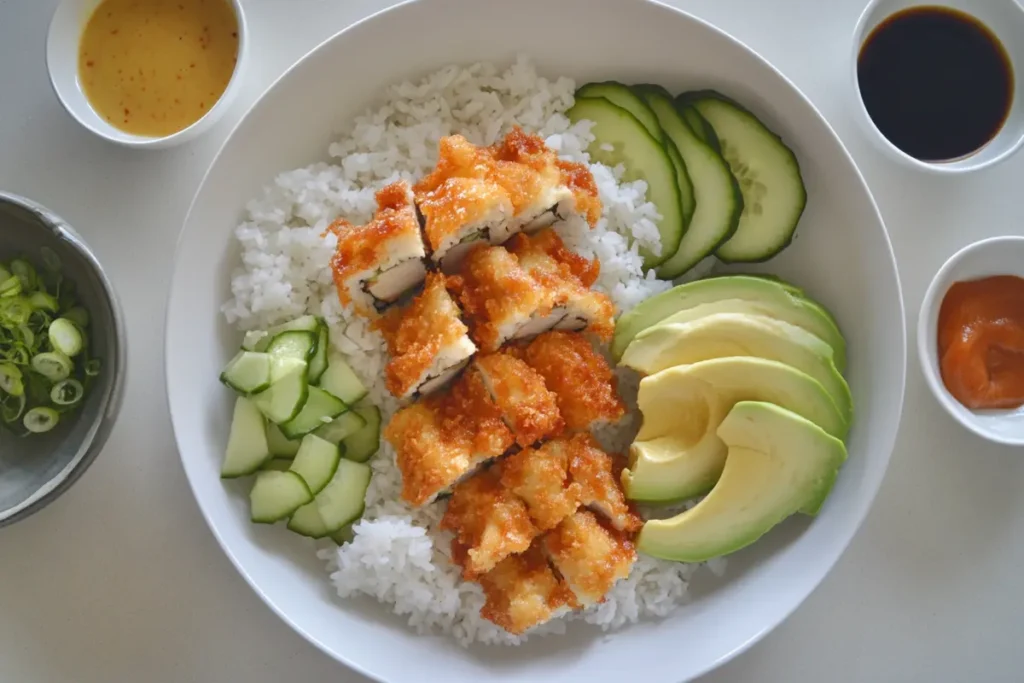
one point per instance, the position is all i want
(937, 83)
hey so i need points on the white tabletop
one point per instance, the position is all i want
(120, 580)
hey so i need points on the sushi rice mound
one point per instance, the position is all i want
(398, 557)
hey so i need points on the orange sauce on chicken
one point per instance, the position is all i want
(981, 342)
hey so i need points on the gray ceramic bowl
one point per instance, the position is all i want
(35, 470)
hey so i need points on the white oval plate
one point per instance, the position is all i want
(842, 255)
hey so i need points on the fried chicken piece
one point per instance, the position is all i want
(529, 409)
(459, 213)
(540, 477)
(427, 341)
(596, 482)
(490, 523)
(522, 592)
(581, 379)
(589, 557)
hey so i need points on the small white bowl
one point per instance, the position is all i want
(62, 44)
(993, 256)
(1005, 18)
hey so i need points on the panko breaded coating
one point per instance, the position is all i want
(583, 382)
(446, 437)
(566, 277)
(427, 341)
(500, 299)
(529, 409)
(596, 482)
(588, 556)
(489, 521)
(459, 213)
(540, 477)
(374, 264)
(522, 592)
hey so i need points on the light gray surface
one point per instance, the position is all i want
(120, 580)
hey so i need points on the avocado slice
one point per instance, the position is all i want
(677, 453)
(778, 464)
(775, 299)
(718, 335)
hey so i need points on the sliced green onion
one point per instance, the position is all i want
(24, 271)
(28, 337)
(92, 368)
(40, 419)
(78, 316)
(50, 259)
(67, 392)
(4, 273)
(11, 380)
(11, 408)
(11, 286)
(42, 300)
(18, 355)
(65, 337)
(15, 310)
(53, 365)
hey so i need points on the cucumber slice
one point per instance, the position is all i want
(700, 127)
(319, 362)
(343, 535)
(339, 380)
(247, 449)
(306, 521)
(316, 462)
(287, 393)
(304, 323)
(718, 199)
(319, 409)
(278, 464)
(280, 445)
(621, 96)
(297, 344)
(363, 444)
(769, 177)
(276, 495)
(342, 427)
(252, 340)
(343, 500)
(247, 373)
(644, 158)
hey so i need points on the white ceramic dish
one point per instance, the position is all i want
(62, 43)
(993, 256)
(842, 254)
(1005, 18)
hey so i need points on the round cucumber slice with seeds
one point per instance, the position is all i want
(769, 179)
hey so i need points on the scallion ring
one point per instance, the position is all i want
(11, 380)
(10, 286)
(11, 408)
(40, 419)
(67, 392)
(53, 365)
(65, 337)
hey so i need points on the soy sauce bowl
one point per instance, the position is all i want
(993, 256)
(35, 470)
(1005, 20)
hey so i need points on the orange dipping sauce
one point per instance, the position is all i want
(981, 342)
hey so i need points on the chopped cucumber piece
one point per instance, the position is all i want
(363, 444)
(293, 344)
(285, 396)
(252, 340)
(304, 323)
(342, 427)
(316, 461)
(339, 380)
(343, 500)
(280, 445)
(276, 495)
(278, 464)
(319, 410)
(319, 362)
(769, 177)
(717, 196)
(247, 449)
(644, 158)
(248, 372)
(306, 521)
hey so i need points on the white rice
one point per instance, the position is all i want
(397, 556)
